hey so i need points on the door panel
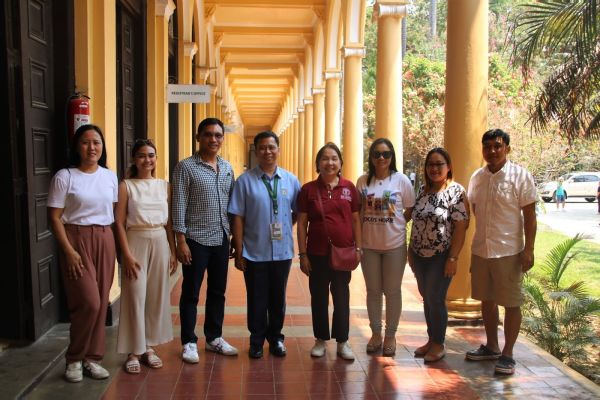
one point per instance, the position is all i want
(38, 131)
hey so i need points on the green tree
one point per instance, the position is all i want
(564, 34)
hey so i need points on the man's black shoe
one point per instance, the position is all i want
(277, 349)
(255, 351)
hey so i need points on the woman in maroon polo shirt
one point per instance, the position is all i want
(340, 206)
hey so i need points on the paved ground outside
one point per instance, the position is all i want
(298, 376)
(579, 216)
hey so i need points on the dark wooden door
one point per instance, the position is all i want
(37, 133)
(130, 82)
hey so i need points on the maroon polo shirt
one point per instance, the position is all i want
(338, 204)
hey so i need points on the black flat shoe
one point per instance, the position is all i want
(255, 352)
(277, 349)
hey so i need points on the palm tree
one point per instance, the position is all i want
(566, 33)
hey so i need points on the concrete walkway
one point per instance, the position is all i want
(298, 376)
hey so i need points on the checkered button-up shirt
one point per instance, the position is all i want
(200, 199)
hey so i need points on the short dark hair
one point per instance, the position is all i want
(442, 152)
(132, 171)
(208, 122)
(265, 135)
(75, 157)
(332, 146)
(371, 165)
(496, 133)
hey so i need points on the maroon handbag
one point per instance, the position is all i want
(340, 258)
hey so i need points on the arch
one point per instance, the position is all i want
(333, 27)
(354, 17)
(308, 72)
(319, 56)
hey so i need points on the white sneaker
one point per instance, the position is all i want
(73, 372)
(94, 370)
(219, 345)
(344, 351)
(190, 353)
(319, 348)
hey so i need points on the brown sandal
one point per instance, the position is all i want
(151, 359)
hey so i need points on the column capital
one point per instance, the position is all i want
(390, 9)
(203, 71)
(213, 90)
(189, 49)
(354, 51)
(294, 116)
(333, 74)
(318, 90)
(164, 8)
(308, 100)
(300, 109)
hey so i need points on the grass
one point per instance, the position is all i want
(586, 266)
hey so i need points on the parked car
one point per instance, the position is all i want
(576, 184)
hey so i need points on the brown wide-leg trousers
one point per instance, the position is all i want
(87, 296)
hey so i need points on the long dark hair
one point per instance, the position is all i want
(332, 146)
(132, 171)
(444, 153)
(75, 157)
(377, 142)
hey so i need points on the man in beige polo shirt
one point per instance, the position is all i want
(502, 195)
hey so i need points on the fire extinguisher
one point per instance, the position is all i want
(78, 112)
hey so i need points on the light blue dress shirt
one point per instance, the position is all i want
(251, 201)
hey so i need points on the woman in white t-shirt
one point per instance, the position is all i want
(440, 219)
(387, 200)
(80, 211)
(147, 244)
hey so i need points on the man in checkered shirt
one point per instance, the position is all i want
(202, 185)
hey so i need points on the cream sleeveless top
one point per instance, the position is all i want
(147, 205)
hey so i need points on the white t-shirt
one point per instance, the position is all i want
(382, 205)
(496, 201)
(87, 199)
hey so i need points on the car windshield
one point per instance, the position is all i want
(565, 177)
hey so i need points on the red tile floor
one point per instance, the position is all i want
(299, 376)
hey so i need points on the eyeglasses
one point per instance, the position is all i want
(217, 136)
(435, 165)
(386, 154)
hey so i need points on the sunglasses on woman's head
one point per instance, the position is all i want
(386, 154)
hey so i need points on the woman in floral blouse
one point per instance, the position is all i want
(440, 219)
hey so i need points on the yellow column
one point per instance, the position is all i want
(300, 141)
(318, 123)
(295, 148)
(466, 121)
(388, 103)
(353, 113)
(213, 103)
(186, 54)
(158, 69)
(307, 151)
(332, 104)
(95, 67)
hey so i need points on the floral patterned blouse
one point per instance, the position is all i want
(433, 219)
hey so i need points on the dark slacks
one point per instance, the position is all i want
(87, 296)
(322, 280)
(266, 283)
(433, 287)
(213, 260)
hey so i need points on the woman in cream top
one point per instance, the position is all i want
(147, 245)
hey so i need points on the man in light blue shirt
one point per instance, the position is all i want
(263, 207)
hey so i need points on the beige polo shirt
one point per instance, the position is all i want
(496, 201)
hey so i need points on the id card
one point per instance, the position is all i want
(276, 231)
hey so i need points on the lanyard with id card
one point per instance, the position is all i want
(275, 227)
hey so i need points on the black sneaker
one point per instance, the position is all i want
(482, 353)
(505, 366)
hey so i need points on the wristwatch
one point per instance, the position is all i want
(452, 259)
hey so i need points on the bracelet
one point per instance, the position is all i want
(452, 259)
(301, 255)
(358, 249)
